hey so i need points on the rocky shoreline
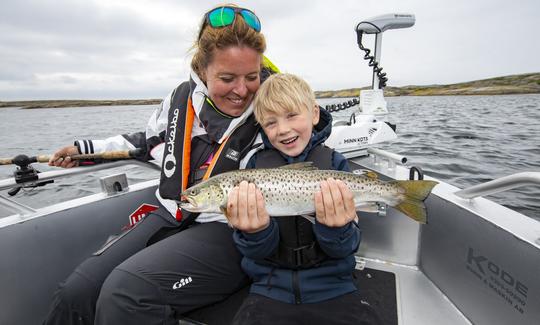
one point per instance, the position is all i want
(77, 103)
(515, 84)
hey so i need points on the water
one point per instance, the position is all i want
(42, 131)
(463, 140)
(467, 140)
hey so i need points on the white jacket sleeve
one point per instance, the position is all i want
(151, 140)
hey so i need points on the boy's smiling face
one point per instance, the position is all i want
(289, 131)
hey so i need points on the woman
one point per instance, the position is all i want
(202, 128)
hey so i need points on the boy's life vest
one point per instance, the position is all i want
(298, 248)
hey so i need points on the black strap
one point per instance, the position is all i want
(298, 257)
(171, 168)
(320, 155)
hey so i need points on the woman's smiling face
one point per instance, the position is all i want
(233, 78)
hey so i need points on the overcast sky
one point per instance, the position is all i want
(115, 49)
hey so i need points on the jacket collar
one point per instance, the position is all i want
(217, 125)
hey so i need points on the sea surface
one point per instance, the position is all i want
(463, 140)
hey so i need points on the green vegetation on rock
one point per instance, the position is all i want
(515, 84)
(77, 103)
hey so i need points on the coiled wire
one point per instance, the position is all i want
(342, 106)
(372, 63)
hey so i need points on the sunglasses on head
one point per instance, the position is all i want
(225, 16)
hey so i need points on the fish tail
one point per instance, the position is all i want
(413, 203)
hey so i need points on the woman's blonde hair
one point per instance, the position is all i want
(237, 34)
(283, 92)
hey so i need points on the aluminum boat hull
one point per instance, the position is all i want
(474, 262)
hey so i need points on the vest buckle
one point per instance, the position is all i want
(304, 256)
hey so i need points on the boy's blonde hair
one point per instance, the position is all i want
(283, 92)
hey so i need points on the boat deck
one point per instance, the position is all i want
(400, 294)
(418, 300)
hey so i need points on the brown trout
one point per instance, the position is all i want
(290, 190)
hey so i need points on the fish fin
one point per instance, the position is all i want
(415, 194)
(308, 217)
(367, 207)
(223, 209)
(306, 165)
(418, 190)
(306, 212)
(367, 173)
(414, 209)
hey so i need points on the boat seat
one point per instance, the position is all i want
(376, 287)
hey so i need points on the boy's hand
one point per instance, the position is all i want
(334, 204)
(246, 210)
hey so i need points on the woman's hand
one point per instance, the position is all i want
(334, 204)
(61, 157)
(246, 210)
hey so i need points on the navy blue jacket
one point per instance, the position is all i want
(330, 279)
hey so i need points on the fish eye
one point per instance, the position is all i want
(194, 191)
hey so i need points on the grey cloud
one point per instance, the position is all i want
(136, 53)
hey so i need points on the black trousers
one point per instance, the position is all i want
(348, 309)
(133, 283)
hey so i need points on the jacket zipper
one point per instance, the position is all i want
(296, 285)
(296, 288)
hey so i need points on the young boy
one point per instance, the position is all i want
(301, 272)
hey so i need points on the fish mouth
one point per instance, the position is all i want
(187, 202)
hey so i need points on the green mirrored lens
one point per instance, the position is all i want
(221, 17)
(251, 20)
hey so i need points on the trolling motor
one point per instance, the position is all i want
(372, 100)
(368, 126)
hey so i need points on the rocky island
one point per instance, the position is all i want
(515, 84)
